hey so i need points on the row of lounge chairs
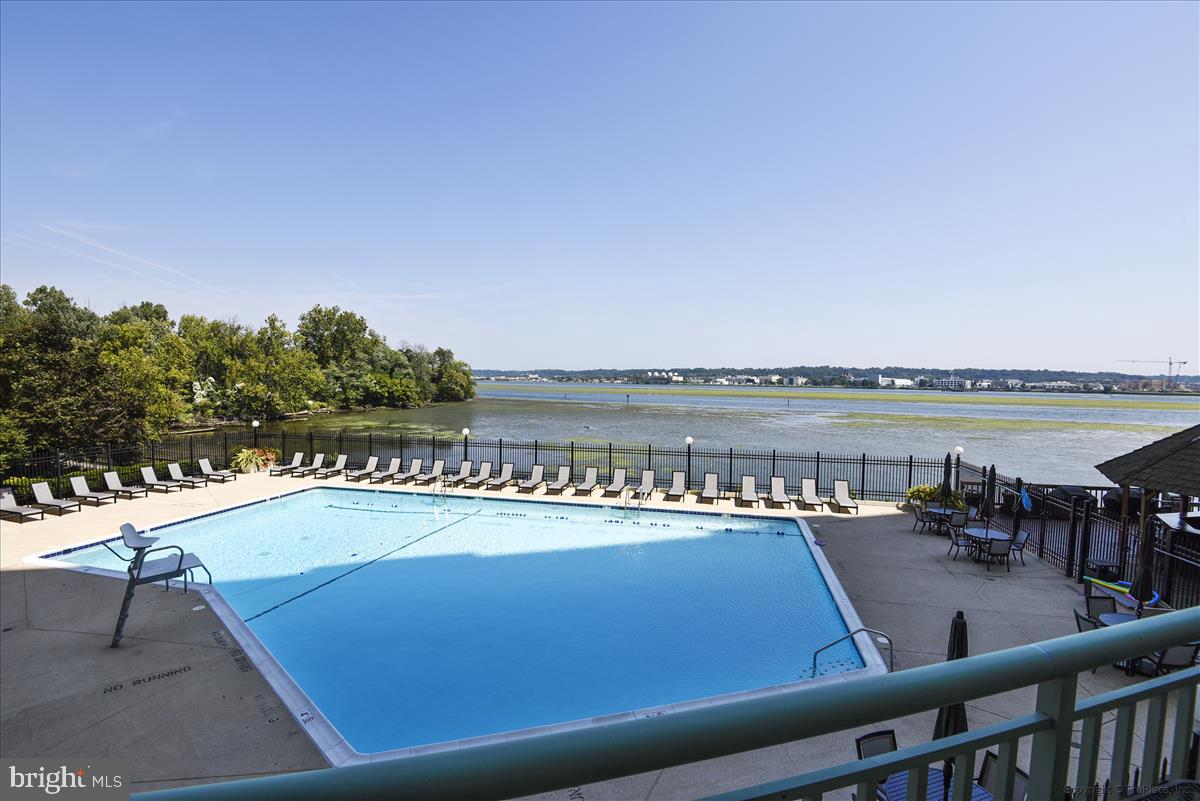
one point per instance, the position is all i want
(466, 476)
(44, 500)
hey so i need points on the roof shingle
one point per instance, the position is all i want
(1171, 464)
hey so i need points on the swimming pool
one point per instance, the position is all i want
(406, 619)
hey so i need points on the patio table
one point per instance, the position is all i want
(1117, 618)
(896, 787)
(979, 538)
(941, 516)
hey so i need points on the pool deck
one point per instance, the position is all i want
(181, 703)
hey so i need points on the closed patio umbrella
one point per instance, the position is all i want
(952, 719)
(988, 507)
(946, 479)
(1142, 587)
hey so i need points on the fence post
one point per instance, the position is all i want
(311, 450)
(1085, 545)
(108, 455)
(1051, 748)
(862, 479)
(610, 461)
(282, 444)
(1072, 533)
(818, 476)
(401, 448)
(465, 446)
(341, 446)
(649, 456)
(1042, 531)
(572, 473)
(910, 465)
(1017, 508)
(957, 472)
(772, 462)
(688, 482)
(58, 474)
(225, 442)
(730, 484)
(370, 445)
(500, 451)
(191, 450)
(1167, 590)
(1122, 546)
(535, 450)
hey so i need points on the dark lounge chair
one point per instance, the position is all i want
(301, 472)
(414, 470)
(151, 481)
(559, 484)
(590, 481)
(191, 482)
(80, 491)
(329, 472)
(393, 469)
(618, 485)
(285, 469)
(365, 471)
(536, 479)
(8, 506)
(482, 477)
(112, 482)
(504, 479)
(464, 472)
(221, 476)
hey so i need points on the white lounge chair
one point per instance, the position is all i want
(290, 467)
(43, 497)
(645, 489)
(537, 478)
(808, 495)
(433, 475)
(191, 482)
(748, 495)
(80, 491)
(779, 496)
(482, 477)
(617, 485)
(151, 481)
(559, 484)
(590, 481)
(367, 470)
(464, 472)
(504, 479)
(393, 469)
(414, 470)
(206, 470)
(9, 506)
(329, 472)
(678, 487)
(841, 496)
(112, 483)
(301, 472)
(711, 492)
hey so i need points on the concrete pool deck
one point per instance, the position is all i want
(191, 708)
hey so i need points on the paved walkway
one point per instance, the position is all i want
(190, 708)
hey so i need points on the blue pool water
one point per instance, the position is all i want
(409, 620)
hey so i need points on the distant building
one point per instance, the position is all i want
(795, 381)
(884, 381)
(984, 384)
(1053, 386)
(951, 384)
(663, 377)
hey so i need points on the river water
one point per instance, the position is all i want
(1042, 438)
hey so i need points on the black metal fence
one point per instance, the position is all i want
(1078, 536)
(879, 478)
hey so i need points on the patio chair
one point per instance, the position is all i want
(191, 482)
(44, 498)
(645, 489)
(918, 511)
(482, 477)
(285, 469)
(1177, 657)
(301, 472)
(711, 493)
(1018, 545)
(876, 743)
(617, 485)
(393, 469)
(365, 471)
(559, 484)
(339, 466)
(112, 483)
(414, 470)
(537, 478)
(590, 481)
(80, 491)
(997, 552)
(1098, 605)
(433, 475)
(151, 481)
(8, 506)
(504, 479)
(748, 495)
(957, 521)
(464, 472)
(779, 496)
(958, 541)
(808, 495)
(987, 778)
(221, 476)
(678, 488)
(841, 496)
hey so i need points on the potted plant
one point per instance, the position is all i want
(249, 460)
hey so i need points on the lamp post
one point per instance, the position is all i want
(466, 433)
(255, 424)
(688, 441)
(958, 452)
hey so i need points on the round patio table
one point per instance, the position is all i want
(1117, 618)
(987, 534)
(941, 515)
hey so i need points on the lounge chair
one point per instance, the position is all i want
(8, 506)
(207, 471)
(504, 479)
(150, 480)
(112, 482)
(617, 485)
(339, 466)
(711, 492)
(464, 472)
(192, 482)
(80, 491)
(301, 472)
(589, 483)
(482, 477)
(808, 495)
(779, 496)
(285, 469)
(393, 469)
(43, 497)
(841, 496)
(559, 484)
(433, 475)
(678, 487)
(414, 470)
(366, 471)
(645, 489)
(537, 478)
(748, 494)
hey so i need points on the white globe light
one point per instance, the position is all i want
(688, 440)
(959, 450)
(254, 423)
(466, 431)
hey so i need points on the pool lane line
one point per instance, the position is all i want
(360, 567)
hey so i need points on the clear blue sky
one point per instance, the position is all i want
(558, 185)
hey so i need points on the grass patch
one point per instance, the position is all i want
(869, 420)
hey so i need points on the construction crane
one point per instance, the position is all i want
(1169, 362)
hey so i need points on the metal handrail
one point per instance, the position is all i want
(891, 647)
(573, 757)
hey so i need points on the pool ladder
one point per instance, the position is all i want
(627, 496)
(884, 636)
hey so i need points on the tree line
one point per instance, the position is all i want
(70, 377)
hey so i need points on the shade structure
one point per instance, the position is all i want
(952, 719)
(946, 470)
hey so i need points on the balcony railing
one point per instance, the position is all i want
(576, 757)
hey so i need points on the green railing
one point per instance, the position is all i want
(572, 758)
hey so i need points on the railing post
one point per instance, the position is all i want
(108, 455)
(572, 474)
(1085, 543)
(817, 478)
(862, 479)
(1072, 534)
(772, 462)
(154, 452)
(500, 450)
(401, 447)
(649, 456)
(1051, 749)
(910, 468)
(730, 475)
(466, 444)
(370, 445)
(1042, 531)
(535, 451)
(311, 450)
(688, 478)
(341, 446)
(282, 445)
(225, 442)
(1122, 546)
(191, 450)
(58, 473)
(1167, 589)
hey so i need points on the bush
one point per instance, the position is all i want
(928, 493)
(249, 459)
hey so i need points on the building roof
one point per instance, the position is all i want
(1168, 465)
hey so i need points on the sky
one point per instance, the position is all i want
(557, 185)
